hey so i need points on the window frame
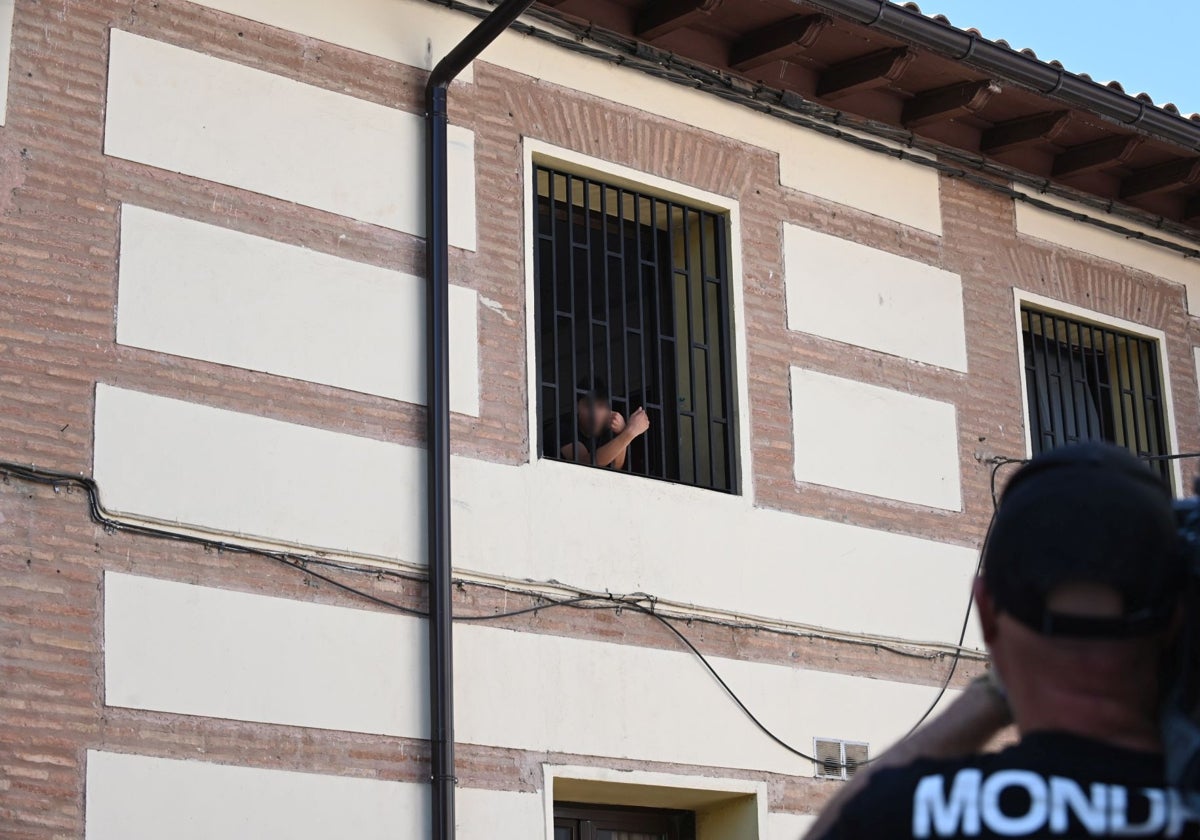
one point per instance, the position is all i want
(540, 153)
(697, 793)
(676, 824)
(1023, 299)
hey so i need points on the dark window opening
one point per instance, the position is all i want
(632, 309)
(1088, 382)
(603, 822)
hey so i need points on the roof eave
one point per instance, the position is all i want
(1033, 73)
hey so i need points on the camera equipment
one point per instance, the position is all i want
(1181, 714)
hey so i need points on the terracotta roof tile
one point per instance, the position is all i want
(1169, 107)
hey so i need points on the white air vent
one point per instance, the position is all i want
(838, 759)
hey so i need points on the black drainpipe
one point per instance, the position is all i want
(437, 270)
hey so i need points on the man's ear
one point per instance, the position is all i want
(986, 608)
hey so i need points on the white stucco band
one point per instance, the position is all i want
(7, 7)
(216, 294)
(134, 797)
(185, 649)
(874, 440)
(137, 797)
(187, 112)
(196, 650)
(196, 467)
(811, 162)
(861, 295)
(1109, 245)
(179, 462)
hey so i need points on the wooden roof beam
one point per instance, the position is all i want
(777, 42)
(1037, 128)
(1098, 154)
(864, 73)
(948, 102)
(662, 17)
(1165, 176)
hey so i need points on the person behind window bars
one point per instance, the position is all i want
(1079, 601)
(595, 434)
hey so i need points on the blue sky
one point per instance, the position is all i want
(1147, 45)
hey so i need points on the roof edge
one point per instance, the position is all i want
(989, 57)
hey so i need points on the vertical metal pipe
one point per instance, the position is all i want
(437, 271)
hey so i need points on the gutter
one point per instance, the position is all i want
(442, 779)
(993, 59)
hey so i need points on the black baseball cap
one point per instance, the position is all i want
(1089, 513)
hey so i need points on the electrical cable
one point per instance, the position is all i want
(594, 601)
(303, 564)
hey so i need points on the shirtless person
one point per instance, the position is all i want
(598, 435)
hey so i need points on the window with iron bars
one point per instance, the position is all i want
(1089, 382)
(632, 309)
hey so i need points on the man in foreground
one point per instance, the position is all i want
(1078, 601)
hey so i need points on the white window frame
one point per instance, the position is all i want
(546, 154)
(1057, 307)
(638, 788)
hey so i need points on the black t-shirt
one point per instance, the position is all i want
(1051, 784)
(567, 434)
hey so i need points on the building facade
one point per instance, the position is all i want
(212, 379)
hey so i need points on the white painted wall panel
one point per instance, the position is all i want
(877, 183)
(874, 440)
(1196, 355)
(854, 293)
(187, 112)
(705, 548)
(782, 826)
(491, 814)
(6, 33)
(195, 650)
(176, 647)
(175, 461)
(165, 460)
(825, 167)
(1108, 245)
(590, 698)
(211, 293)
(134, 797)
(384, 28)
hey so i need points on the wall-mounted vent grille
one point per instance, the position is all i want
(839, 759)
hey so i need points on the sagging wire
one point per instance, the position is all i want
(793, 108)
(638, 602)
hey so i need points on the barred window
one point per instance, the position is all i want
(1089, 382)
(633, 332)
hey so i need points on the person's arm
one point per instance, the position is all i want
(964, 728)
(613, 453)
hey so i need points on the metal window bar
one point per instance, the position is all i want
(634, 290)
(1088, 382)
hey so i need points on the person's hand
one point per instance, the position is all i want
(639, 422)
(616, 423)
